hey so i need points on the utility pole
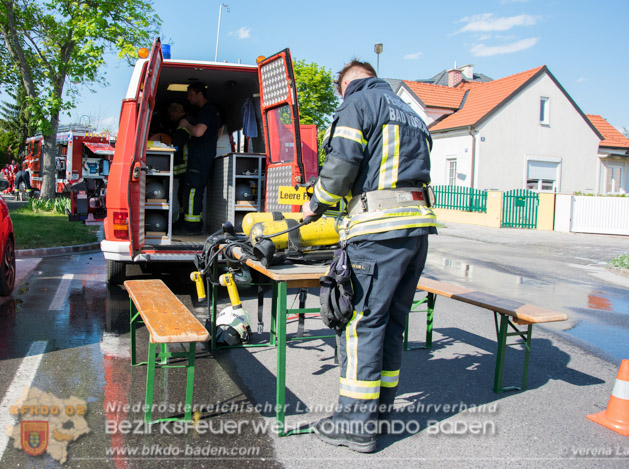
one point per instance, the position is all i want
(378, 50)
(218, 31)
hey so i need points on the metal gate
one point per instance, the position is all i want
(519, 209)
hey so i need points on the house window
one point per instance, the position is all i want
(613, 179)
(451, 172)
(542, 176)
(544, 111)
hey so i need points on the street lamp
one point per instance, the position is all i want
(219, 27)
(378, 50)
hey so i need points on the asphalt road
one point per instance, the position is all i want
(448, 412)
(562, 271)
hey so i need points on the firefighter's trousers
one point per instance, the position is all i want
(195, 180)
(384, 277)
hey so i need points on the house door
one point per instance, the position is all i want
(613, 181)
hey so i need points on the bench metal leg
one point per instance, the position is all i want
(429, 300)
(150, 379)
(135, 319)
(502, 331)
(163, 355)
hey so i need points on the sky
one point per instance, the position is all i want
(583, 43)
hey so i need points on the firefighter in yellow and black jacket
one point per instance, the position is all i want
(378, 157)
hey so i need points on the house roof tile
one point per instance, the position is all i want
(482, 98)
(437, 95)
(611, 136)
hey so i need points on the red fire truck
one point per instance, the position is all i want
(249, 174)
(82, 162)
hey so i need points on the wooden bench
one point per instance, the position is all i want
(168, 321)
(512, 314)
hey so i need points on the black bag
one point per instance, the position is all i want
(337, 294)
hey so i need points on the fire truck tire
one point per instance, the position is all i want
(116, 272)
(7, 269)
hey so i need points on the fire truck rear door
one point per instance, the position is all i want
(137, 176)
(280, 115)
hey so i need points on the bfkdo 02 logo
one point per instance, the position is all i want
(34, 436)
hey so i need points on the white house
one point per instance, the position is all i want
(613, 158)
(521, 131)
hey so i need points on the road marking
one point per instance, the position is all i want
(23, 379)
(62, 292)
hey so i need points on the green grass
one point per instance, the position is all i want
(45, 229)
(621, 260)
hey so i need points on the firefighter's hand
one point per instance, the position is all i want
(308, 214)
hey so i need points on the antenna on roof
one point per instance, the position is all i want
(455, 64)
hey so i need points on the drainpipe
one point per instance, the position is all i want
(473, 132)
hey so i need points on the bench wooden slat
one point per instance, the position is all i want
(522, 312)
(441, 288)
(167, 319)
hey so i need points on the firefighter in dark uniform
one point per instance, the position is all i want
(201, 154)
(180, 137)
(378, 156)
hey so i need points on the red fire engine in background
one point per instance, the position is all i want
(82, 163)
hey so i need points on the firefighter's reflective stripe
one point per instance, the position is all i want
(390, 162)
(190, 216)
(181, 168)
(351, 339)
(360, 389)
(387, 220)
(324, 196)
(326, 135)
(389, 379)
(351, 134)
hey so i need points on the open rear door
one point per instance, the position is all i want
(137, 176)
(280, 115)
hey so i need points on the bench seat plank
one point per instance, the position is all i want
(167, 319)
(522, 312)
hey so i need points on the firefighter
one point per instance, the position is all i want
(180, 138)
(378, 150)
(201, 152)
(23, 177)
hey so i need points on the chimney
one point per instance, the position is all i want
(454, 77)
(468, 72)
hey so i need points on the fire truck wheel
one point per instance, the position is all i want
(116, 272)
(7, 269)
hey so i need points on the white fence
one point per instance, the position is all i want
(602, 215)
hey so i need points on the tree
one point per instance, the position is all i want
(15, 121)
(317, 100)
(46, 44)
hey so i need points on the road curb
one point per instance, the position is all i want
(618, 270)
(56, 251)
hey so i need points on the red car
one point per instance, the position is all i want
(7, 247)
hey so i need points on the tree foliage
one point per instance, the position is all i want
(317, 100)
(15, 124)
(53, 45)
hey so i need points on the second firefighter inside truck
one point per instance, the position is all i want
(377, 150)
(201, 154)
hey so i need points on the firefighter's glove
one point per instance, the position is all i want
(312, 218)
(337, 294)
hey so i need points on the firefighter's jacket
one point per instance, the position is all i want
(375, 142)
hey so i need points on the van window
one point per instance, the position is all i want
(281, 139)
